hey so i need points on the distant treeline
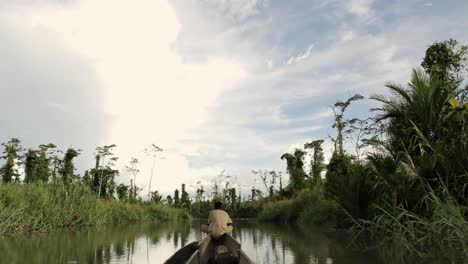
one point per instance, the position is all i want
(48, 164)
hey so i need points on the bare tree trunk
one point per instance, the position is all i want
(151, 178)
(134, 186)
(100, 179)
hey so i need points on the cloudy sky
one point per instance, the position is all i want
(218, 84)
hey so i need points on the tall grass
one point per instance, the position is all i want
(406, 236)
(43, 207)
(166, 213)
(307, 207)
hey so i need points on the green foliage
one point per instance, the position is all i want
(446, 60)
(233, 198)
(404, 234)
(30, 165)
(38, 205)
(317, 162)
(42, 170)
(349, 183)
(166, 213)
(247, 209)
(421, 175)
(425, 139)
(156, 197)
(280, 211)
(184, 199)
(176, 198)
(103, 183)
(41, 207)
(410, 191)
(169, 200)
(103, 174)
(339, 109)
(307, 207)
(9, 171)
(68, 169)
(339, 173)
(122, 192)
(36, 164)
(295, 168)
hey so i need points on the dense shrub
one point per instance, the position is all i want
(247, 209)
(308, 207)
(165, 213)
(402, 233)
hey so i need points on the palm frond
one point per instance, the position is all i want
(399, 90)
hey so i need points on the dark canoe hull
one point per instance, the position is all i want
(183, 254)
(226, 250)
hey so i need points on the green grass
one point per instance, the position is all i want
(166, 213)
(397, 233)
(44, 207)
(308, 207)
(404, 235)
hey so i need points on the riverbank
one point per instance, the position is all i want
(43, 207)
(397, 234)
(404, 184)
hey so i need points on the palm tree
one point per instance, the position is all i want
(426, 129)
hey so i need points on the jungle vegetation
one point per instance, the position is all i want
(403, 183)
(40, 191)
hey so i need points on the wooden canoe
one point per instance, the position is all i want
(225, 250)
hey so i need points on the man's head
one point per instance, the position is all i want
(218, 205)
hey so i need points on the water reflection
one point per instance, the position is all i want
(283, 245)
(155, 243)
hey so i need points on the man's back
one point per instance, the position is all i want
(219, 223)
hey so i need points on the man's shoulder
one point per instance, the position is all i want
(218, 211)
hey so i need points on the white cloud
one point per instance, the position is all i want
(240, 9)
(148, 91)
(353, 62)
(300, 57)
(276, 116)
(269, 64)
(347, 36)
(360, 8)
(215, 85)
(306, 129)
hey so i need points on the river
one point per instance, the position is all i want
(264, 243)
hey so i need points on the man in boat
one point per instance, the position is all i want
(219, 222)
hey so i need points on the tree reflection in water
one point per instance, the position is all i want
(154, 243)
